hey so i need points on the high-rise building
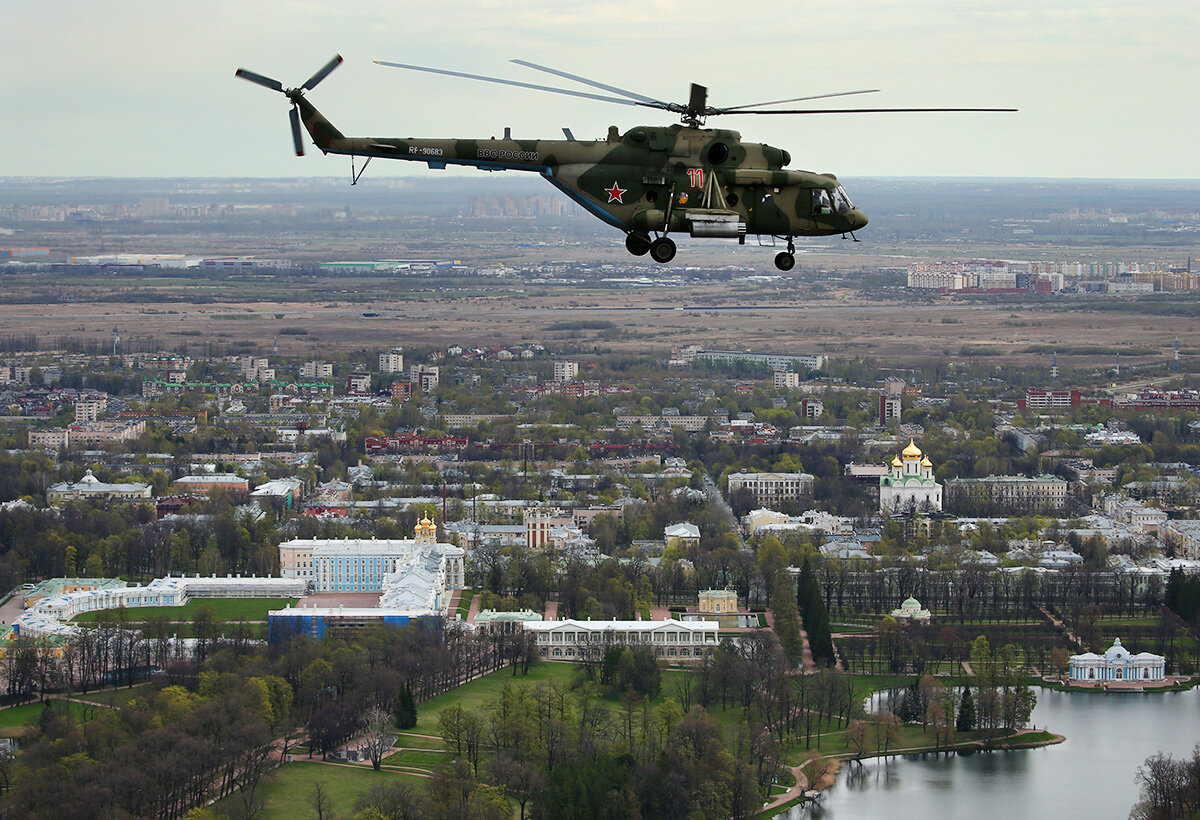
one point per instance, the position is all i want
(889, 409)
(392, 361)
(566, 371)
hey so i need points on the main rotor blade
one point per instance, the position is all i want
(312, 81)
(497, 80)
(863, 110)
(603, 87)
(297, 140)
(798, 99)
(274, 85)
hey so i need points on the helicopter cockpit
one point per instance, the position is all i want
(835, 201)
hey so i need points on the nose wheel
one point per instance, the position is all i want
(786, 260)
(662, 250)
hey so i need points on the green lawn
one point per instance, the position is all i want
(477, 693)
(464, 603)
(29, 713)
(410, 741)
(427, 759)
(225, 609)
(287, 793)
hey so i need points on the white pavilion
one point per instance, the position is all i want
(1117, 664)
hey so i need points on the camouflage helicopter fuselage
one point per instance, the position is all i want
(652, 179)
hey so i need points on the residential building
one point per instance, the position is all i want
(1012, 493)
(772, 488)
(786, 380)
(358, 384)
(93, 433)
(287, 491)
(889, 409)
(684, 536)
(692, 424)
(810, 408)
(1183, 535)
(566, 371)
(51, 438)
(228, 482)
(1036, 399)
(775, 361)
(424, 376)
(392, 361)
(401, 391)
(316, 370)
(90, 408)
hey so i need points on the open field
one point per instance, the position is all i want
(224, 609)
(789, 315)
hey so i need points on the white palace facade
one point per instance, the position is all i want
(572, 640)
(1117, 664)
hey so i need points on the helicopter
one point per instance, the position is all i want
(649, 182)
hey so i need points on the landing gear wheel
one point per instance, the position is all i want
(785, 261)
(637, 243)
(662, 250)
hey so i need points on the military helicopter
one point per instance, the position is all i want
(649, 182)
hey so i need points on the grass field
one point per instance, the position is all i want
(29, 712)
(287, 793)
(225, 609)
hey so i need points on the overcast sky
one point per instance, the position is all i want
(131, 88)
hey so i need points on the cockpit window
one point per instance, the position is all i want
(821, 203)
(841, 202)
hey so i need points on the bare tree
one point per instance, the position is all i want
(378, 736)
(320, 802)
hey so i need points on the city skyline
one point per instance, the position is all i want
(137, 89)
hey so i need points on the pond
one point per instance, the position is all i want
(1090, 775)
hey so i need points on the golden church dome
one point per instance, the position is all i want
(925, 462)
(896, 462)
(912, 450)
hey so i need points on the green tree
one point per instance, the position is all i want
(966, 712)
(787, 616)
(406, 707)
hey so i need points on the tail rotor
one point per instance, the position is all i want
(293, 94)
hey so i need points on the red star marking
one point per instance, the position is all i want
(615, 193)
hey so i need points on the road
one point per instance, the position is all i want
(12, 609)
(717, 500)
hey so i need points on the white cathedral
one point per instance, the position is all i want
(910, 485)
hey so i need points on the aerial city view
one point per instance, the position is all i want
(818, 437)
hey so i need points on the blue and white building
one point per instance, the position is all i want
(1117, 664)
